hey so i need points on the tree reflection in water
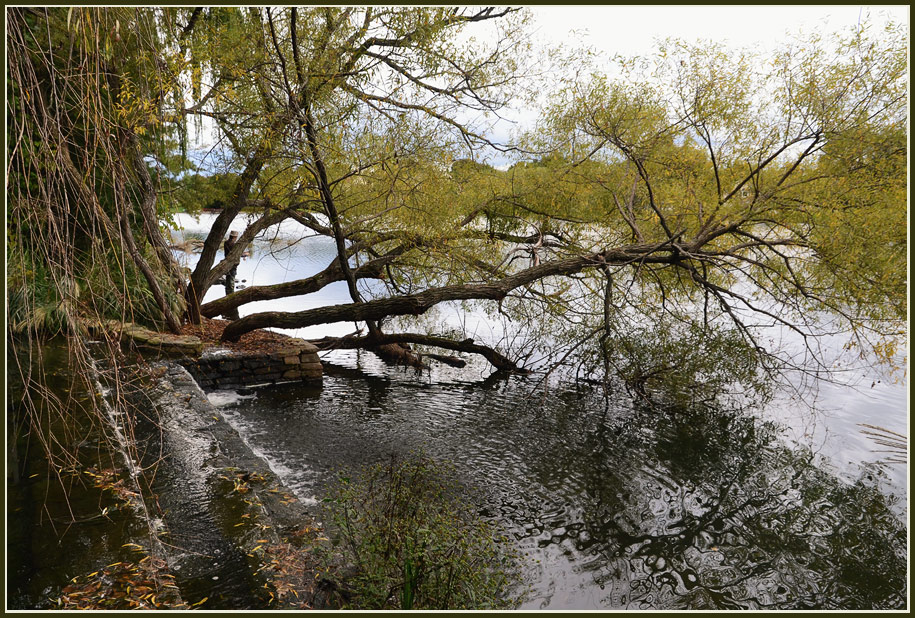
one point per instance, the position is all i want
(624, 503)
(702, 508)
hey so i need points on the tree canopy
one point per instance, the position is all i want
(701, 197)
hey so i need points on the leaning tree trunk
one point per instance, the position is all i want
(419, 303)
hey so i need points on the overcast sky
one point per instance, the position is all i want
(631, 30)
(635, 30)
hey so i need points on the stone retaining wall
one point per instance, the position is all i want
(221, 368)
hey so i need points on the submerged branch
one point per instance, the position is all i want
(370, 342)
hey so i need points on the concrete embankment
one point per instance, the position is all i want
(233, 536)
(226, 515)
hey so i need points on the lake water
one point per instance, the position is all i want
(60, 524)
(616, 505)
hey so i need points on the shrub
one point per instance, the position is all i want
(407, 541)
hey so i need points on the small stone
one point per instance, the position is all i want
(292, 374)
(291, 360)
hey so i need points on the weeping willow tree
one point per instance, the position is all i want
(84, 107)
(762, 197)
(327, 111)
(87, 143)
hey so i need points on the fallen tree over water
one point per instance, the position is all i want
(713, 189)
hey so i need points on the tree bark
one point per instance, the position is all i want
(331, 274)
(416, 304)
(150, 217)
(204, 274)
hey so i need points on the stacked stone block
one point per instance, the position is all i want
(221, 368)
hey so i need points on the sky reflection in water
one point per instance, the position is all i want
(618, 506)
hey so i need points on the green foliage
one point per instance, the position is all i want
(410, 543)
(194, 192)
(787, 171)
(122, 293)
(36, 302)
(859, 230)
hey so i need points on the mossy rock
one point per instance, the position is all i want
(164, 344)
